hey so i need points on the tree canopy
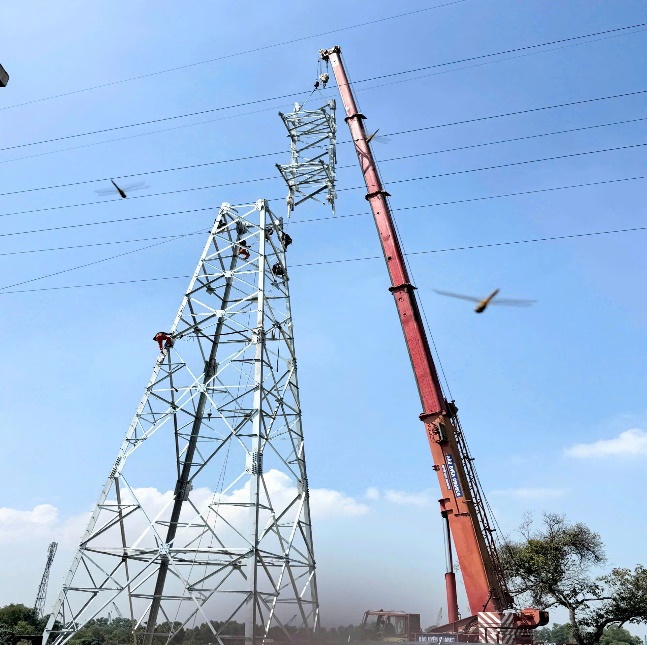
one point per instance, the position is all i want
(563, 634)
(555, 565)
(558, 634)
(15, 615)
(17, 619)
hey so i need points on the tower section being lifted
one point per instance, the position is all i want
(313, 141)
(205, 514)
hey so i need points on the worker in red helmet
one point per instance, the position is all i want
(164, 340)
(243, 250)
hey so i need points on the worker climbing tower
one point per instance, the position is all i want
(205, 515)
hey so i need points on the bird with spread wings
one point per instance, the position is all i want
(492, 299)
(123, 189)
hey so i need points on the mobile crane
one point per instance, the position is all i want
(462, 504)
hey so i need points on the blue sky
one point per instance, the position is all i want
(530, 383)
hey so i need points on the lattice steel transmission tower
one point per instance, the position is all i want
(39, 605)
(205, 515)
(313, 142)
(220, 422)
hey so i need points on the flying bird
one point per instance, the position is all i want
(121, 191)
(380, 139)
(482, 304)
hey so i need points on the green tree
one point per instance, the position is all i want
(558, 634)
(618, 636)
(553, 566)
(17, 613)
(23, 627)
(6, 634)
(561, 634)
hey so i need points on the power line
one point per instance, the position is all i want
(320, 219)
(167, 239)
(87, 145)
(108, 221)
(512, 140)
(443, 125)
(91, 244)
(499, 60)
(118, 199)
(519, 112)
(484, 198)
(472, 247)
(362, 259)
(147, 172)
(293, 94)
(88, 264)
(97, 284)
(271, 154)
(180, 236)
(152, 121)
(395, 181)
(553, 238)
(134, 136)
(507, 51)
(509, 165)
(236, 54)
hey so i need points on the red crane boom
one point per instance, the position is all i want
(461, 502)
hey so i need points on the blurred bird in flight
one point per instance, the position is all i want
(382, 138)
(492, 299)
(121, 190)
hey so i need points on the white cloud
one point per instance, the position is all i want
(44, 521)
(27, 532)
(15, 523)
(402, 498)
(628, 443)
(329, 504)
(530, 493)
(41, 523)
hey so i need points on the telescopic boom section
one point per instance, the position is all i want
(484, 582)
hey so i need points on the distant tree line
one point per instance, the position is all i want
(17, 620)
(563, 635)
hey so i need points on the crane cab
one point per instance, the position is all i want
(390, 626)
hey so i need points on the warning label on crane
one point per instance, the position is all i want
(436, 638)
(449, 486)
(453, 476)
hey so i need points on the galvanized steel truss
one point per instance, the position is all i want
(311, 170)
(219, 429)
(39, 605)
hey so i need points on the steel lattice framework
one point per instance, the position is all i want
(219, 429)
(311, 170)
(39, 605)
